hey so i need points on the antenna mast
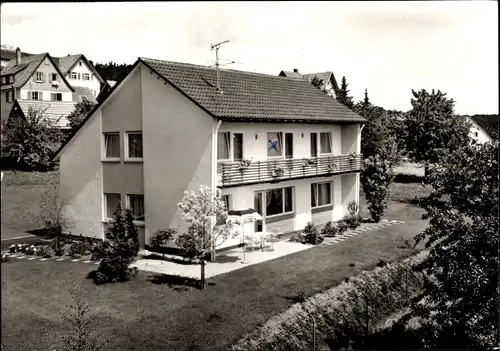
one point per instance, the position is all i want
(216, 47)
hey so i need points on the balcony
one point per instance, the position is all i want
(234, 174)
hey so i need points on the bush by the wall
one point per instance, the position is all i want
(311, 235)
(342, 314)
(329, 230)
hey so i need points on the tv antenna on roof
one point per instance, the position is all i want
(217, 47)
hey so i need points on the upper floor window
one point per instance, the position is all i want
(4, 80)
(35, 95)
(321, 194)
(136, 205)
(11, 79)
(8, 96)
(80, 64)
(475, 134)
(325, 143)
(53, 76)
(86, 76)
(73, 75)
(39, 77)
(274, 144)
(229, 146)
(112, 145)
(134, 145)
(55, 97)
(279, 201)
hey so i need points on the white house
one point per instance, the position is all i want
(484, 128)
(170, 127)
(328, 81)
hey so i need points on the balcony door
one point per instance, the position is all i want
(259, 208)
(288, 145)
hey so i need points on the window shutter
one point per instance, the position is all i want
(40, 96)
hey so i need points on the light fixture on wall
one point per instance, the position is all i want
(256, 136)
(302, 135)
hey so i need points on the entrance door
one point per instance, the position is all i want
(259, 208)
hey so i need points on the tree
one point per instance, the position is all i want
(80, 334)
(53, 216)
(31, 140)
(458, 307)
(201, 210)
(376, 177)
(113, 71)
(433, 129)
(343, 95)
(119, 250)
(81, 111)
(317, 83)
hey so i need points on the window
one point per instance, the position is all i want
(54, 76)
(279, 201)
(475, 134)
(11, 79)
(321, 194)
(223, 146)
(227, 201)
(39, 77)
(78, 75)
(111, 202)
(288, 145)
(325, 143)
(35, 95)
(134, 145)
(73, 75)
(86, 76)
(4, 80)
(112, 145)
(136, 204)
(314, 144)
(80, 64)
(7, 96)
(55, 97)
(274, 144)
(237, 146)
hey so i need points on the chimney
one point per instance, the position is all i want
(295, 70)
(18, 56)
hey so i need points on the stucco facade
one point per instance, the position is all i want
(178, 155)
(81, 69)
(478, 133)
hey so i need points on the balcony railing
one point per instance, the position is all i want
(233, 173)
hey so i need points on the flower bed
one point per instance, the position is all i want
(72, 248)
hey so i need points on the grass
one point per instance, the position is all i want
(155, 312)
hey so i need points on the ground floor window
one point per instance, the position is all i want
(227, 201)
(111, 202)
(279, 201)
(136, 204)
(321, 194)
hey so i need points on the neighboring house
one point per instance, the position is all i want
(484, 128)
(166, 128)
(106, 88)
(7, 55)
(37, 81)
(328, 81)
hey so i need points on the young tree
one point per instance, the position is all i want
(119, 249)
(81, 111)
(343, 95)
(316, 82)
(459, 305)
(53, 216)
(30, 140)
(376, 178)
(201, 211)
(433, 129)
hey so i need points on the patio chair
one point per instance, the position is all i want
(267, 243)
(251, 242)
(274, 235)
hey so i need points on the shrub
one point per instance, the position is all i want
(79, 247)
(31, 250)
(162, 237)
(45, 251)
(122, 248)
(329, 230)
(5, 258)
(342, 226)
(311, 235)
(376, 178)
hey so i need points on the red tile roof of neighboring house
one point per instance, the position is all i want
(81, 93)
(250, 96)
(56, 112)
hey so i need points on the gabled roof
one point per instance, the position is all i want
(250, 96)
(81, 93)
(489, 123)
(56, 112)
(68, 62)
(290, 74)
(27, 68)
(325, 77)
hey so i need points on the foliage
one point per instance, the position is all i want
(202, 210)
(52, 216)
(459, 306)
(329, 230)
(45, 251)
(434, 130)
(344, 314)
(162, 237)
(123, 239)
(5, 258)
(342, 226)
(80, 112)
(99, 250)
(311, 235)
(112, 70)
(353, 220)
(31, 140)
(79, 247)
(80, 334)
(317, 83)
(343, 95)
(376, 179)
(31, 250)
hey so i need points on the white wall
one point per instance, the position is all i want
(93, 84)
(66, 96)
(256, 149)
(81, 179)
(482, 137)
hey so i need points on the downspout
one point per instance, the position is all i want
(358, 176)
(215, 131)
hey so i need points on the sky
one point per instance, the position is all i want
(388, 48)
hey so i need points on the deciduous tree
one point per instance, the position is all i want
(459, 305)
(81, 111)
